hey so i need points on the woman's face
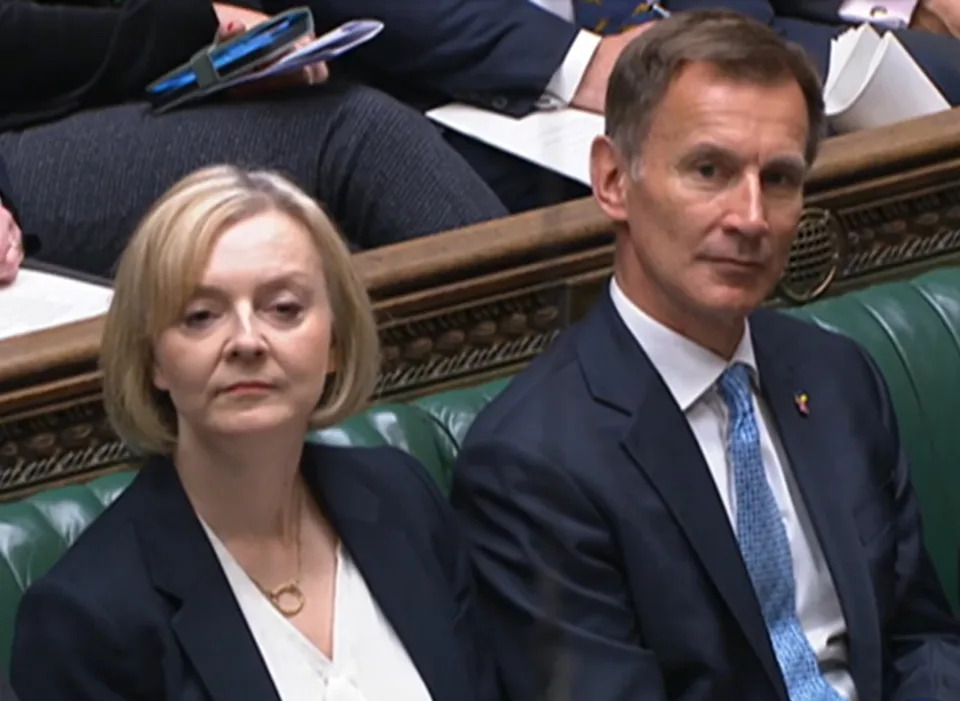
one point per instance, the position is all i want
(251, 350)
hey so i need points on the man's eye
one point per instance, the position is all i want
(779, 179)
(707, 171)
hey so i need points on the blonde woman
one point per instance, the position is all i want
(242, 563)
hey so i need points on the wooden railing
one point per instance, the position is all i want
(465, 305)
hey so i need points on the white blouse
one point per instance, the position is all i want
(369, 661)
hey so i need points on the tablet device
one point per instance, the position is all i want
(247, 52)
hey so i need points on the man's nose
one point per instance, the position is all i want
(748, 210)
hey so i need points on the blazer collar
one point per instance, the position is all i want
(412, 592)
(209, 623)
(659, 440)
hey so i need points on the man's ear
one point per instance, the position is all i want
(609, 178)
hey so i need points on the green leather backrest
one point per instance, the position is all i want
(911, 328)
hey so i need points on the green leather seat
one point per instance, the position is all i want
(911, 328)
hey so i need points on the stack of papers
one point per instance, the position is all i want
(558, 140)
(873, 81)
(38, 300)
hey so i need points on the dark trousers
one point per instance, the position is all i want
(380, 168)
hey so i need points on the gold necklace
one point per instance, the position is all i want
(288, 598)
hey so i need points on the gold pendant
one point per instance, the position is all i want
(287, 599)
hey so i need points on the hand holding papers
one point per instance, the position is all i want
(266, 51)
(872, 82)
(325, 48)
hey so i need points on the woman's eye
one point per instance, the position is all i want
(197, 318)
(287, 311)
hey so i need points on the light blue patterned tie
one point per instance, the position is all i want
(764, 545)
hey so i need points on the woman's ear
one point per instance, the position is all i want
(609, 178)
(159, 378)
(333, 356)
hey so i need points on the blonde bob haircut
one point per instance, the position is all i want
(158, 274)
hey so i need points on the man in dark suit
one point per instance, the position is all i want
(514, 56)
(688, 497)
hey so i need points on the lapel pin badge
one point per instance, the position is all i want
(803, 403)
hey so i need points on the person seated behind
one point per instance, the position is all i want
(688, 496)
(517, 56)
(87, 157)
(242, 563)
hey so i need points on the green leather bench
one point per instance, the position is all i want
(911, 328)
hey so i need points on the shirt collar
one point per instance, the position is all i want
(687, 368)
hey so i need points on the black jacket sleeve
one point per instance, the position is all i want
(56, 59)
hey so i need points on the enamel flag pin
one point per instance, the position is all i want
(803, 403)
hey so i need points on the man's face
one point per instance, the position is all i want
(712, 206)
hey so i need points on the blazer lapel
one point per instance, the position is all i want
(393, 569)
(659, 440)
(208, 622)
(813, 448)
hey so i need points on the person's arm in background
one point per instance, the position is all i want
(12, 241)
(55, 59)
(506, 55)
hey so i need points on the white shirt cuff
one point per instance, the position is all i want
(894, 14)
(564, 83)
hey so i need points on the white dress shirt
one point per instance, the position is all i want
(691, 373)
(369, 662)
(563, 85)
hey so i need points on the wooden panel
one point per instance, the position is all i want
(471, 304)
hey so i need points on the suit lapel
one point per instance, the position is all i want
(393, 569)
(664, 447)
(813, 451)
(208, 622)
(658, 438)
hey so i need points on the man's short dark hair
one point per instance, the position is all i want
(740, 49)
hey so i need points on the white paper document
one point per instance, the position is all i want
(558, 140)
(40, 300)
(874, 81)
(331, 45)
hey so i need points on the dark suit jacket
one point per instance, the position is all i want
(496, 53)
(139, 607)
(605, 560)
(57, 59)
(814, 24)
(500, 54)
(6, 693)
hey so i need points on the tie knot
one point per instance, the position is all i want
(734, 385)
